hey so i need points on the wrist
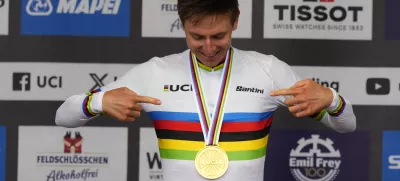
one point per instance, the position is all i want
(334, 104)
(97, 102)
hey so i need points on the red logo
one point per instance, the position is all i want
(73, 145)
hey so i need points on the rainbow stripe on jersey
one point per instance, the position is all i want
(244, 136)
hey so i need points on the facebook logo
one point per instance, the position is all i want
(21, 81)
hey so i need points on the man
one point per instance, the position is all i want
(212, 105)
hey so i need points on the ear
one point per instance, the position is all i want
(235, 24)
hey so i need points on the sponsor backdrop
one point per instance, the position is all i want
(51, 49)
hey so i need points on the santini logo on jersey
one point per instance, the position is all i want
(245, 89)
(45, 7)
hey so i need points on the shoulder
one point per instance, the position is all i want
(171, 60)
(266, 61)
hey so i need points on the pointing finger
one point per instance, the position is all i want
(147, 99)
(281, 92)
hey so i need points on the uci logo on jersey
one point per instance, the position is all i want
(76, 17)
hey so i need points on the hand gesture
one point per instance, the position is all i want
(123, 104)
(308, 98)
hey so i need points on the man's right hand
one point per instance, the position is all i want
(123, 104)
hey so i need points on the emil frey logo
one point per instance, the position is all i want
(39, 7)
(314, 159)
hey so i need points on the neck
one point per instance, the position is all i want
(212, 66)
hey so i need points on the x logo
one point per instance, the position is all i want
(97, 80)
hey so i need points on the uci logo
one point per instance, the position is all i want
(176, 88)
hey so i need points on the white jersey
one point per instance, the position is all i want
(249, 110)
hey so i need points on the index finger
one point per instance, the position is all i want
(147, 99)
(281, 92)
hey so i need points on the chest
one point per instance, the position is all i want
(247, 91)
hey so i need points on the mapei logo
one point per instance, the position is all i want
(39, 7)
(45, 7)
(176, 88)
(320, 161)
(73, 144)
(76, 17)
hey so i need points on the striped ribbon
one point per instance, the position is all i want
(211, 126)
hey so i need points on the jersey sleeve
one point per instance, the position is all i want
(78, 109)
(339, 116)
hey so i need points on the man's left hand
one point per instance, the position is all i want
(308, 98)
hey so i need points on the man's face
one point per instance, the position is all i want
(210, 38)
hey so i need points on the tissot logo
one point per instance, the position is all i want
(319, 13)
(318, 19)
(245, 89)
(176, 88)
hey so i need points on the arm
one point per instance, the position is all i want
(339, 115)
(308, 98)
(79, 109)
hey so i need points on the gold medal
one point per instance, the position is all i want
(211, 162)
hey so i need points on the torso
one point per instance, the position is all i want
(245, 128)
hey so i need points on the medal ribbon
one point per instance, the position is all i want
(211, 126)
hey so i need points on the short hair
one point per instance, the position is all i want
(196, 9)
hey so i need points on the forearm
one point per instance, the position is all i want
(339, 115)
(77, 110)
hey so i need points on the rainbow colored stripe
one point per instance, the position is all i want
(211, 128)
(86, 103)
(244, 136)
(214, 132)
(339, 110)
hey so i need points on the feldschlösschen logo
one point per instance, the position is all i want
(314, 159)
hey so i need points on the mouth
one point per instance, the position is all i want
(210, 56)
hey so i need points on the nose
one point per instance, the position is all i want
(209, 47)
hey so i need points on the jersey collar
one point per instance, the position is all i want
(210, 69)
